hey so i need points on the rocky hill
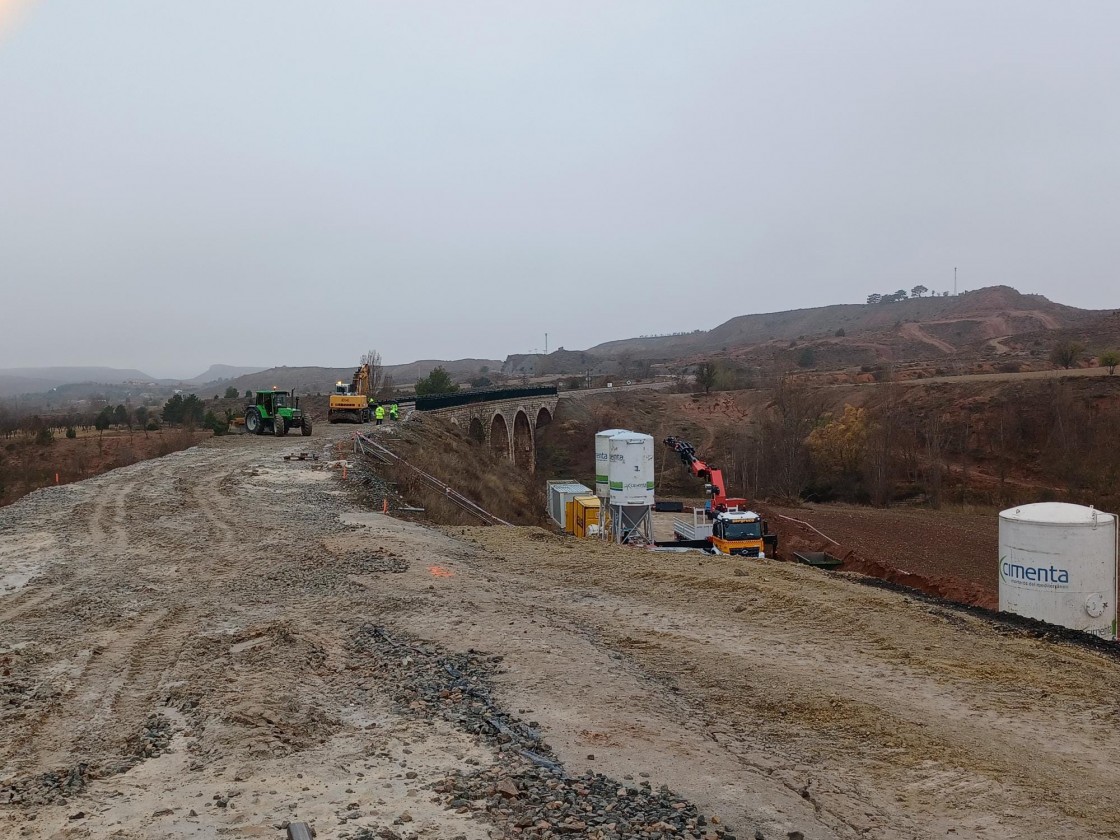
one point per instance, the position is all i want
(219, 373)
(943, 325)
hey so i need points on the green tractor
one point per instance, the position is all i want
(277, 412)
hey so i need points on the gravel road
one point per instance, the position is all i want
(215, 642)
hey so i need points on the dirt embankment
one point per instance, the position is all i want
(190, 646)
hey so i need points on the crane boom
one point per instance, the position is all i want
(709, 473)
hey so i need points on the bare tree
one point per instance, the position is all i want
(934, 439)
(879, 465)
(706, 373)
(793, 413)
(1067, 353)
(377, 376)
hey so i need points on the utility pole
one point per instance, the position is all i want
(546, 344)
(954, 281)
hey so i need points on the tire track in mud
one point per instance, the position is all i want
(132, 628)
(62, 733)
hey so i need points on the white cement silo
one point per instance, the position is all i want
(1057, 563)
(630, 507)
(631, 469)
(603, 461)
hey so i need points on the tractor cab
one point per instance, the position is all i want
(277, 412)
(271, 400)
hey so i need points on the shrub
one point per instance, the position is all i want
(71, 432)
(1066, 354)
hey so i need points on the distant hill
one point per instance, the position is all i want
(219, 373)
(36, 380)
(408, 373)
(953, 321)
(313, 380)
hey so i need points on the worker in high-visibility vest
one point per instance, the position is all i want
(379, 414)
(394, 411)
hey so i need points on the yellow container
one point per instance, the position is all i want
(585, 515)
(569, 516)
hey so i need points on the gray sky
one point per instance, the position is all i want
(273, 182)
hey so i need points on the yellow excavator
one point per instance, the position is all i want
(349, 403)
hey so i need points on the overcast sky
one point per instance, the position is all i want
(277, 182)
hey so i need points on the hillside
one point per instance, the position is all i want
(311, 380)
(219, 373)
(31, 380)
(946, 324)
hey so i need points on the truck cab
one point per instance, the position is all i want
(739, 533)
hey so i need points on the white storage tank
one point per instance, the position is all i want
(602, 461)
(1057, 563)
(631, 469)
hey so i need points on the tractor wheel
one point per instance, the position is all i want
(253, 424)
(279, 427)
(306, 427)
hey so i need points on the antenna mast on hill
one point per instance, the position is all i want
(546, 344)
(954, 281)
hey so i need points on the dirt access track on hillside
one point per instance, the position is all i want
(181, 656)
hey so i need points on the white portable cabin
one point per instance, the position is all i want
(559, 494)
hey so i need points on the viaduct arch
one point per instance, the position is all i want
(508, 427)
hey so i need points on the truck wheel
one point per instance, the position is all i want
(253, 424)
(306, 427)
(279, 428)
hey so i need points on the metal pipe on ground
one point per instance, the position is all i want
(807, 525)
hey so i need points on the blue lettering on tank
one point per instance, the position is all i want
(1032, 574)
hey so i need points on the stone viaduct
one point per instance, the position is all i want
(508, 427)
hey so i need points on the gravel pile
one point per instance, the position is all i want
(366, 563)
(45, 788)
(539, 803)
(373, 488)
(527, 793)
(153, 739)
